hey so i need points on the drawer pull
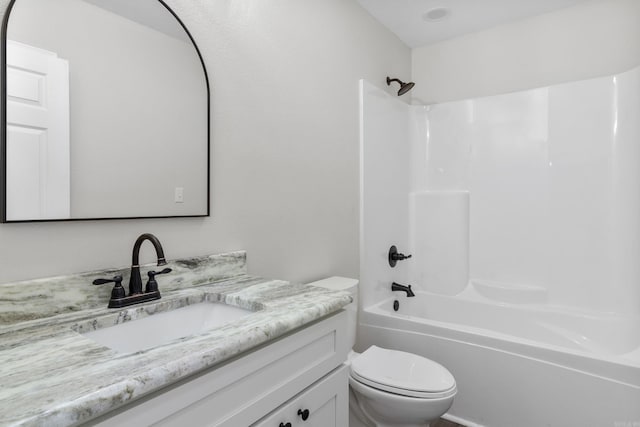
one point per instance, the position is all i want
(303, 414)
(285, 425)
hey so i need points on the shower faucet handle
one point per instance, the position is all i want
(395, 256)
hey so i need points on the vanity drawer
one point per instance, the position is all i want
(324, 404)
(242, 391)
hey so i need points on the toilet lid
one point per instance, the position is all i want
(402, 373)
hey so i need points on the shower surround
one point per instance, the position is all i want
(523, 208)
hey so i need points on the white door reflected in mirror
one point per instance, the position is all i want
(38, 176)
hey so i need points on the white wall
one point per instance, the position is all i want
(593, 39)
(285, 150)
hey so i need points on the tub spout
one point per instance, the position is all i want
(398, 287)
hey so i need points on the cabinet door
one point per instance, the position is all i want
(327, 403)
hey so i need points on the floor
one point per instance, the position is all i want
(444, 423)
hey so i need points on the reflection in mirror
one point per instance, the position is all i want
(106, 106)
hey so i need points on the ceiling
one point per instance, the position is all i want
(405, 17)
(149, 13)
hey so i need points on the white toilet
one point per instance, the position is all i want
(390, 388)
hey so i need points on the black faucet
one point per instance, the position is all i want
(398, 287)
(136, 295)
(135, 281)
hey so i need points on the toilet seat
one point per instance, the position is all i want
(403, 374)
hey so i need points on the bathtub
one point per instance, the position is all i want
(519, 365)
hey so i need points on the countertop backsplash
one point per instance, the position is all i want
(43, 298)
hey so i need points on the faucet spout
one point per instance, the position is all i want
(398, 287)
(135, 281)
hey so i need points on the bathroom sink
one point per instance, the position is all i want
(160, 328)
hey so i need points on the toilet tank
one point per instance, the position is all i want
(346, 284)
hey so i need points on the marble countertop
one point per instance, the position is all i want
(54, 376)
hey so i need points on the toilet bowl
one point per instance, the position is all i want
(391, 388)
(395, 388)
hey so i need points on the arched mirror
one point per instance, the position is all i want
(105, 112)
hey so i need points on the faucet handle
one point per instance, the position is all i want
(152, 285)
(117, 291)
(152, 274)
(395, 256)
(116, 280)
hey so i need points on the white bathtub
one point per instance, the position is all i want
(519, 365)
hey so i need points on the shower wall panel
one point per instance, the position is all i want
(439, 224)
(553, 176)
(384, 193)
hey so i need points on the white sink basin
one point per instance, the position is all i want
(160, 328)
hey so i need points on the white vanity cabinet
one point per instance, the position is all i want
(264, 386)
(324, 404)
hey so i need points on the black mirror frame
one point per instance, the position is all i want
(3, 132)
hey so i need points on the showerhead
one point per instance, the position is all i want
(404, 87)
